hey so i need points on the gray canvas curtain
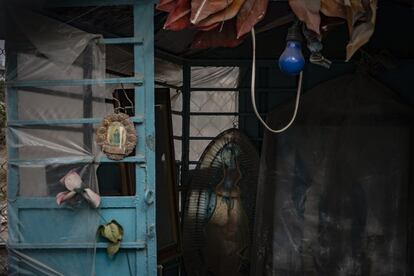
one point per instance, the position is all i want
(334, 189)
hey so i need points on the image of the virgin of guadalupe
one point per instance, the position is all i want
(227, 230)
(116, 136)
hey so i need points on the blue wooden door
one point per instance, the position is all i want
(45, 239)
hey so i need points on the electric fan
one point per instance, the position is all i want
(219, 213)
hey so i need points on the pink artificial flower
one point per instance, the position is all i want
(63, 196)
(73, 183)
(72, 180)
(93, 198)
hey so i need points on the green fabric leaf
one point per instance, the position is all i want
(113, 248)
(113, 232)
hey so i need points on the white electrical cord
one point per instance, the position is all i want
(254, 92)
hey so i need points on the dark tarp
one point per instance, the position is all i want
(333, 189)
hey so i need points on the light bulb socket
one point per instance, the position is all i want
(294, 32)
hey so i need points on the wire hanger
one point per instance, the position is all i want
(119, 107)
(131, 106)
(123, 108)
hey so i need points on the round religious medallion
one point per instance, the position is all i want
(116, 136)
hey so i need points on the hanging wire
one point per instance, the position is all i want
(253, 92)
(118, 103)
(129, 100)
(116, 109)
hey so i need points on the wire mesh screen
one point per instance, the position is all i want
(213, 105)
(207, 124)
(3, 166)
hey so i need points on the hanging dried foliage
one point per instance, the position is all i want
(362, 28)
(308, 12)
(207, 15)
(219, 37)
(209, 27)
(201, 9)
(179, 24)
(166, 5)
(360, 16)
(179, 17)
(226, 14)
(250, 14)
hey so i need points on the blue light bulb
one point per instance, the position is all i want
(291, 61)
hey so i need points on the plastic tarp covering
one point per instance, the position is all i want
(332, 195)
(47, 239)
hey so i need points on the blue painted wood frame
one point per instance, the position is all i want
(144, 100)
(136, 213)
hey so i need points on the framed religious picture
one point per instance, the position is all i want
(116, 136)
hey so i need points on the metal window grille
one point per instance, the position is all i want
(205, 105)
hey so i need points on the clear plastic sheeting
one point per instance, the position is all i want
(202, 101)
(49, 92)
(214, 77)
(169, 73)
(334, 188)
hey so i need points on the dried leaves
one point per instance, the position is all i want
(363, 18)
(208, 16)
(215, 19)
(226, 14)
(308, 12)
(179, 17)
(226, 37)
(360, 16)
(201, 9)
(250, 14)
(166, 5)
